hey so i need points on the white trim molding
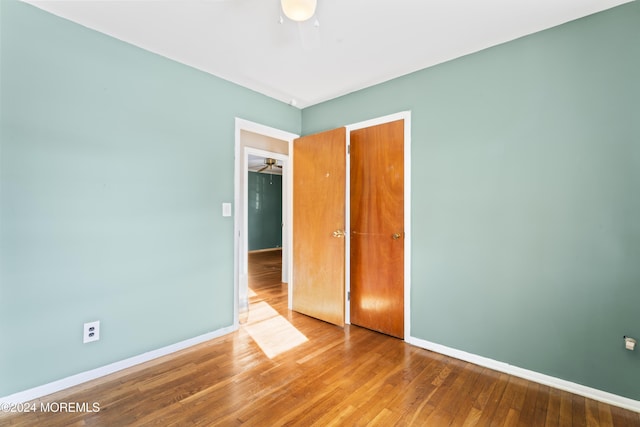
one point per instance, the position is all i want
(571, 387)
(406, 116)
(83, 377)
(239, 218)
(242, 124)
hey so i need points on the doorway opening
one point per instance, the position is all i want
(246, 134)
(264, 203)
(257, 146)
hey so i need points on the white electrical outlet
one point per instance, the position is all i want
(91, 332)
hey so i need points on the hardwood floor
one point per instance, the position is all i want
(332, 377)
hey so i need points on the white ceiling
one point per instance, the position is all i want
(358, 43)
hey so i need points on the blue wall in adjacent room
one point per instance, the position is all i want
(264, 211)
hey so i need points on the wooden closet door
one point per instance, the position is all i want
(377, 228)
(319, 174)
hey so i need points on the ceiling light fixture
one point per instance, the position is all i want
(299, 10)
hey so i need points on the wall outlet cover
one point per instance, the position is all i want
(91, 332)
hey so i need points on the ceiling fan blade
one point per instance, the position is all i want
(279, 166)
(261, 169)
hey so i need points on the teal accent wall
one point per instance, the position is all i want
(114, 163)
(264, 211)
(526, 198)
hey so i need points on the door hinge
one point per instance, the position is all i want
(348, 149)
(348, 295)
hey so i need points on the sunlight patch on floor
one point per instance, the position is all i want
(272, 332)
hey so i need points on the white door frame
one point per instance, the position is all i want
(240, 199)
(406, 116)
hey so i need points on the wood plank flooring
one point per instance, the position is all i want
(332, 377)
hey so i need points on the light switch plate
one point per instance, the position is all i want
(226, 209)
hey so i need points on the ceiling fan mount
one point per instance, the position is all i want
(269, 163)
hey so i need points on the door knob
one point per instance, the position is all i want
(396, 236)
(338, 233)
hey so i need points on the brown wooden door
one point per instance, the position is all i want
(319, 174)
(377, 228)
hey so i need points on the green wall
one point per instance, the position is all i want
(114, 165)
(526, 198)
(264, 211)
(525, 175)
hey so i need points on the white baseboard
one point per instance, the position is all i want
(74, 380)
(591, 393)
(255, 251)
